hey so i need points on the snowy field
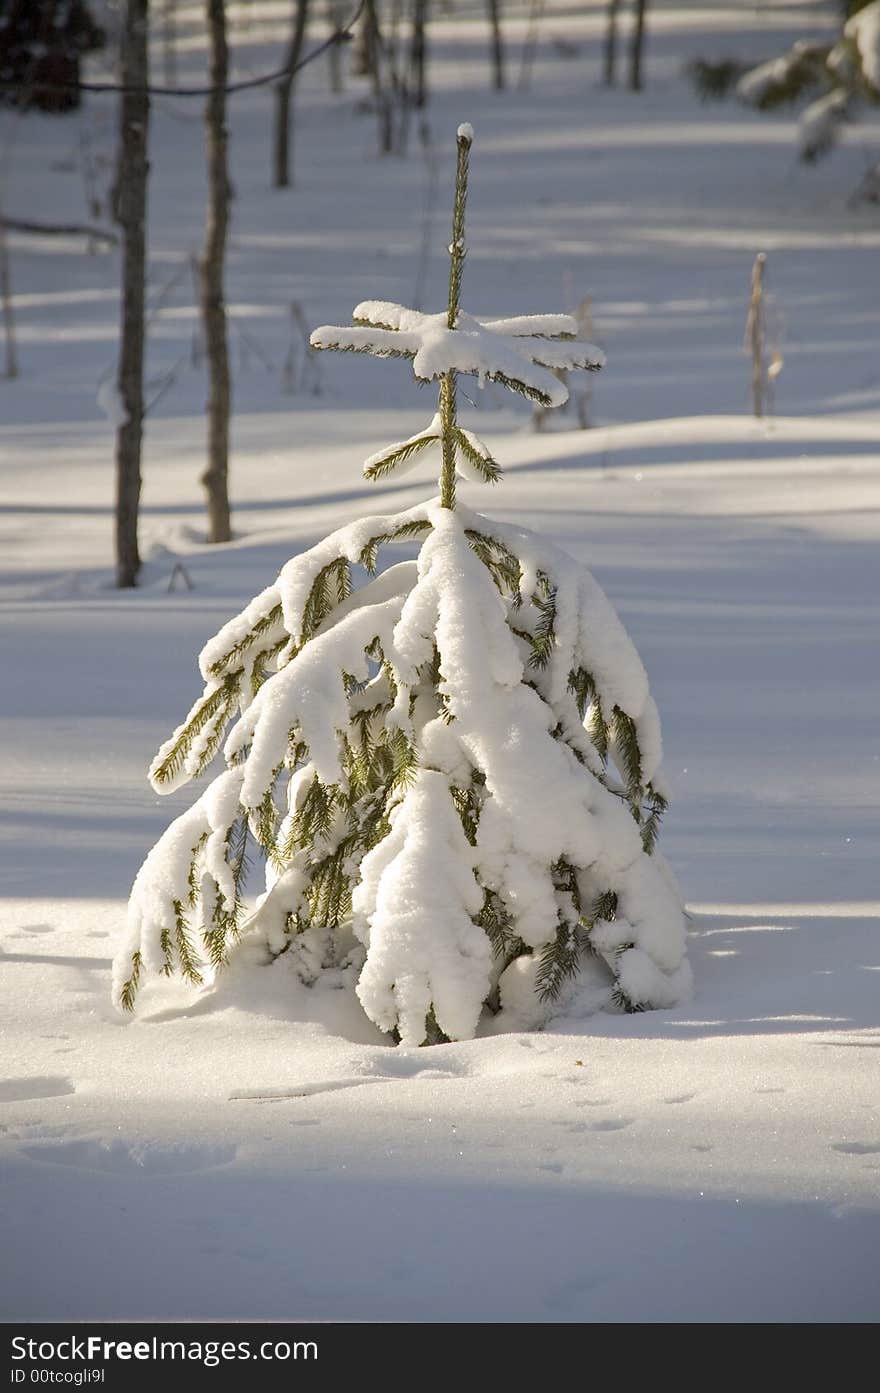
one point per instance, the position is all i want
(258, 1150)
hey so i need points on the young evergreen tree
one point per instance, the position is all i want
(451, 765)
(833, 80)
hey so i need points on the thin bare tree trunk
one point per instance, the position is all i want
(610, 50)
(755, 335)
(494, 9)
(374, 56)
(418, 53)
(169, 43)
(215, 477)
(11, 369)
(530, 43)
(131, 212)
(337, 17)
(284, 98)
(637, 46)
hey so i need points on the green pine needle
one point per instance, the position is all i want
(399, 454)
(369, 553)
(559, 962)
(215, 707)
(330, 587)
(624, 1002)
(499, 560)
(189, 969)
(543, 639)
(376, 351)
(433, 1034)
(485, 465)
(236, 650)
(657, 806)
(130, 988)
(626, 745)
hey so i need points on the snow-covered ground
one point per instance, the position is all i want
(259, 1150)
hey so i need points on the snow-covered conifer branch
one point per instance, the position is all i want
(474, 460)
(863, 30)
(522, 360)
(394, 456)
(837, 77)
(820, 123)
(787, 78)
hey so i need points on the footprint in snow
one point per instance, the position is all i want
(126, 1158)
(680, 1098)
(40, 1086)
(37, 928)
(611, 1124)
(769, 1090)
(857, 1148)
(410, 1066)
(553, 1166)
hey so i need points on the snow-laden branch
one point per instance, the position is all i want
(863, 28)
(520, 353)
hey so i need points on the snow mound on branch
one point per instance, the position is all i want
(300, 573)
(588, 634)
(754, 85)
(541, 805)
(162, 882)
(431, 431)
(820, 122)
(309, 694)
(414, 910)
(237, 629)
(512, 351)
(864, 29)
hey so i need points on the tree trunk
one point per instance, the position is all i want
(169, 43)
(131, 205)
(215, 478)
(755, 335)
(11, 369)
(610, 52)
(284, 97)
(494, 8)
(337, 17)
(377, 67)
(530, 43)
(418, 53)
(635, 52)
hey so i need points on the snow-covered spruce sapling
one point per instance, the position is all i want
(451, 765)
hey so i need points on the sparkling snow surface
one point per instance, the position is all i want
(257, 1149)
